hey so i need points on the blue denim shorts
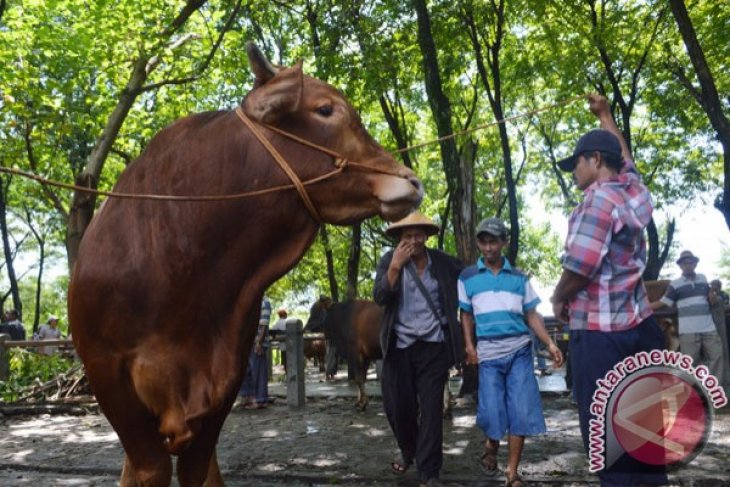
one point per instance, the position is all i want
(509, 398)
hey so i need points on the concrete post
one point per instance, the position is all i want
(4, 357)
(295, 395)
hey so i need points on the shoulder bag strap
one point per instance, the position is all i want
(423, 290)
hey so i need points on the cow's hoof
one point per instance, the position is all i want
(448, 414)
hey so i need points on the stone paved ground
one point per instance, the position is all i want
(324, 443)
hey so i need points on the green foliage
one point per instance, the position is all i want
(723, 268)
(65, 64)
(28, 368)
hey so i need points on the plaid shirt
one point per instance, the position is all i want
(606, 244)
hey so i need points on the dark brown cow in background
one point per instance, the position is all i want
(354, 327)
(315, 350)
(165, 296)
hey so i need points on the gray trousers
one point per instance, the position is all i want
(704, 348)
(722, 332)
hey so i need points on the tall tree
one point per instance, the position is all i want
(8, 252)
(462, 210)
(487, 39)
(707, 95)
(148, 60)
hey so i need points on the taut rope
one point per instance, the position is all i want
(340, 163)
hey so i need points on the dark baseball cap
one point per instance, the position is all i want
(596, 140)
(492, 226)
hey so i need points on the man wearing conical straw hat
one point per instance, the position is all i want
(421, 338)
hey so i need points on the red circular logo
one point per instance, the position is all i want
(661, 419)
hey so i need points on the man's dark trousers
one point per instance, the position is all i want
(594, 353)
(413, 377)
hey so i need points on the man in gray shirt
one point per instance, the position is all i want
(698, 337)
(421, 338)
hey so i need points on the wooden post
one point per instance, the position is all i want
(4, 357)
(294, 363)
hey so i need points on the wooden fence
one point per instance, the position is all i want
(295, 360)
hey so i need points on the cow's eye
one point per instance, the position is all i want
(324, 110)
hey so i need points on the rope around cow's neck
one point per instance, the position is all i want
(282, 163)
(340, 164)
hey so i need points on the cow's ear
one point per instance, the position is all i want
(279, 96)
(262, 69)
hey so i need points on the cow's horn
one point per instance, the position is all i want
(261, 66)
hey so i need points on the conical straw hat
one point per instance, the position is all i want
(415, 219)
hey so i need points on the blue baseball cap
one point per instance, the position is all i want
(596, 140)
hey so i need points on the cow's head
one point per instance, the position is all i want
(315, 111)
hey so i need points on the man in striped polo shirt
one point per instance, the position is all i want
(497, 304)
(698, 337)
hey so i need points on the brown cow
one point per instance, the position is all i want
(315, 350)
(165, 296)
(354, 326)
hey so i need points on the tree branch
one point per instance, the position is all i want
(189, 9)
(206, 62)
(683, 80)
(33, 163)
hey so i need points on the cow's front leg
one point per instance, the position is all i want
(214, 478)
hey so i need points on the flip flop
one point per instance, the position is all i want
(488, 461)
(400, 465)
(515, 481)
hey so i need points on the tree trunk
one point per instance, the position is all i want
(395, 128)
(654, 265)
(83, 204)
(7, 251)
(707, 97)
(492, 82)
(441, 111)
(329, 258)
(39, 284)
(353, 261)
(469, 252)
(82, 208)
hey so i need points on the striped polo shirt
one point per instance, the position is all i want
(264, 319)
(693, 308)
(498, 304)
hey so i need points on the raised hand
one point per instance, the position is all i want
(598, 105)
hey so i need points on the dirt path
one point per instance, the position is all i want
(324, 443)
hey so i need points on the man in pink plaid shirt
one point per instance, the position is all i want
(600, 292)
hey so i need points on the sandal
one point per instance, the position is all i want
(400, 465)
(515, 481)
(488, 461)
